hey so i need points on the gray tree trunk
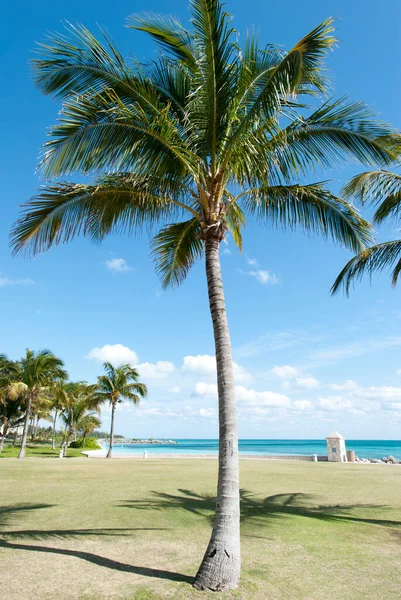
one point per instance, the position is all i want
(26, 425)
(54, 431)
(2, 442)
(113, 409)
(15, 437)
(221, 565)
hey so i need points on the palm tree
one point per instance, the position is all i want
(194, 142)
(37, 371)
(382, 189)
(59, 396)
(81, 401)
(118, 384)
(11, 413)
(87, 425)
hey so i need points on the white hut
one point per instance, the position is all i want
(336, 451)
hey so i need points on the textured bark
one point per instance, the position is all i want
(2, 443)
(113, 409)
(26, 425)
(221, 565)
(15, 437)
(54, 430)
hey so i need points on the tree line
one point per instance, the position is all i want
(37, 387)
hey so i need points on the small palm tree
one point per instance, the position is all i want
(59, 397)
(87, 425)
(37, 372)
(193, 143)
(381, 189)
(80, 401)
(11, 412)
(118, 384)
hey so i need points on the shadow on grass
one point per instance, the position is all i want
(7, 513)
(260, 510)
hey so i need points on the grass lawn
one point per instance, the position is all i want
(92, 529)
(39, 450)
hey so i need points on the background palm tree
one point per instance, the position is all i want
(194, 142)
(59, 398)
(11, 412)
(118, 384)
(87, 425)
(37, 371)
(381, 189)
(80, 402)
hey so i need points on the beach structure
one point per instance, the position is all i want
(336, 451)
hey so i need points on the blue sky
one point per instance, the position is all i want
(305, 362)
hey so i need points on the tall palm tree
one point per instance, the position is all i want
(192, 143)
(381, 189)
(37, 371)
(118, 384)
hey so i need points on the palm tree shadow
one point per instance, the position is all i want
(8, 512)
(261, 510)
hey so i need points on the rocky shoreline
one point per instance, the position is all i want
(389, 460)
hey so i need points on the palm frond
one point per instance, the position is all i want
(380, 188)
(117, 203)
(74, 62)
(311, 208)
(376, 258)
(100, 132)
(175, 250)
(169, 33)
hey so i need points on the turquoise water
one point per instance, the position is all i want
(363, 448)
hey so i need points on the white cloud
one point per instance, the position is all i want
(265, 398)
(308, 382)
(335, 403)
(159, 370)
(204, 364)
(357, 348)
(252, 261)
(116, 354)
(117, 265)
(207, 412)
(226, 251)
(383, 393)
(244, 394)
(264, 277)
(284, 371)
(399, 372)
(205, 389)
(174, 390)
(347, 385)
(302, 405)
(4, 281)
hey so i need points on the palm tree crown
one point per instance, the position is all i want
(207, 134)
(120, 383)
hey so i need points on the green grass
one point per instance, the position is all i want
(130, 529)
(39, 450)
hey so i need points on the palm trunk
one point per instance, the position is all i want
(84, 440)
(221, 565)
(16, 436)
(113, 409)
(54, 431)
(26, 425)
(2, 442)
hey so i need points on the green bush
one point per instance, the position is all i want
(90, 444)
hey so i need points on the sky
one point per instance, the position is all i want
(305, 362)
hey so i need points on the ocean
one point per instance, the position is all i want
(363, 448)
